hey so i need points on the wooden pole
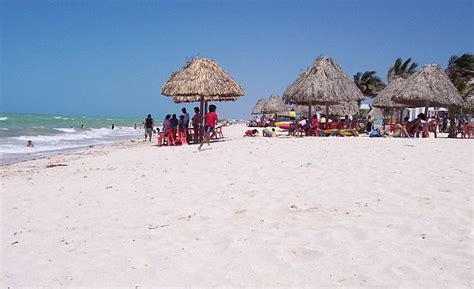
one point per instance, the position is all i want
(201, 128)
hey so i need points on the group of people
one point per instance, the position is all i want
(174, 125)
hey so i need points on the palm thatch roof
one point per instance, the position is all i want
(323, 83)
(275, 104)
(259, 106)
(384, 98)
(202, 78)
(429, 87)
(346, 108)
(469, 103)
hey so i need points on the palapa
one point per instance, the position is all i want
(202, 79)
(259, 106)
(323, 83)
(384, 98)
(428, 87)
(275, 105)
(346, 108)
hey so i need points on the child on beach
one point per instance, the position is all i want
(251, 132)
(210, 123)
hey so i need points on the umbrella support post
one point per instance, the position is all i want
(201, 104)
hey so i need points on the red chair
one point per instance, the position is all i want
(166, 138)
(313, 130)
(467, 131)
(181, 137)
(334, 125)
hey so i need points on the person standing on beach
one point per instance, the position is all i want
(186, 117)
(149, 125)
(174, 123)
(196, 121)
(292, 114)
(113, 126)
(369, 125)
(210, 123)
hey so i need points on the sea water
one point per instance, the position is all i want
(54, 133)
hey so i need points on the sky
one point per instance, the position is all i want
(111, 57)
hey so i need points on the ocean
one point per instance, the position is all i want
(54, 133)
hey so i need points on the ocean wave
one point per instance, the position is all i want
(3, 128)
(68, 130)
(3, 117)
(70, 134)
(61, 141)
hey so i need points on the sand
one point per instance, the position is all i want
(263, 212)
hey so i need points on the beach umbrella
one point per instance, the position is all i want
(428, 87)
(202, 80)
(346, 108)
(384, 101)
(259, 106)
(324, 83)
(275, 105)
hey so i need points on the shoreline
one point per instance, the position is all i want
(11, 160)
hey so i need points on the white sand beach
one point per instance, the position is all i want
(262, 212)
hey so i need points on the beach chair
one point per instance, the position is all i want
(467, 131)
(166, 138)
(219, 133)
(313, 130)
(181, 137)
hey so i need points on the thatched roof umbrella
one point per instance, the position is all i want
(259, 106)
(202, 80)
(346, 108)
(428, 87)
(275, 105)
(324, 83)
(384, 101)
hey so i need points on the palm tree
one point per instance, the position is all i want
(368, 83)
(461, 72)
(401, 69)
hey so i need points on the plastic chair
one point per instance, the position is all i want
(467, 132)
(218, 132)
(181, 137)
(313, 130)
(166, 138)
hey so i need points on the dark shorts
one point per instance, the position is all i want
(149, 131)
(208, 129)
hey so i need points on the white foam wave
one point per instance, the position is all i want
(3, 117)
(3, 128)
(68, 130)
(67, 140)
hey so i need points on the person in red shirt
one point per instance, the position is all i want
(209, 125)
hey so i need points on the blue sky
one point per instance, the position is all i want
(112, 57)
